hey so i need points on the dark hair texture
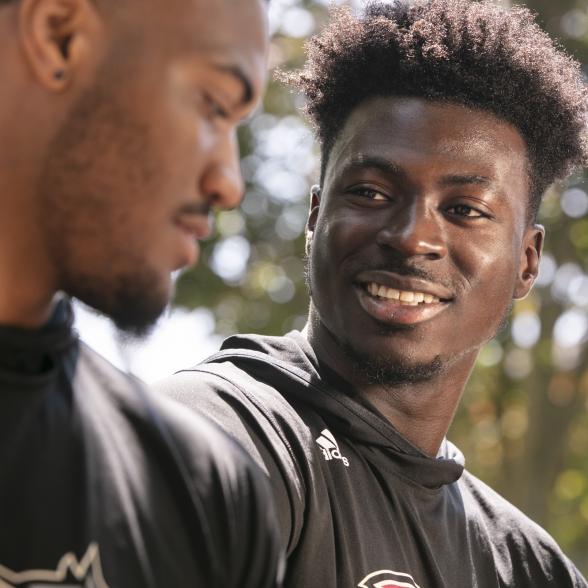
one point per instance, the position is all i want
(463, 51)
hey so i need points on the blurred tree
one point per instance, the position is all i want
(523, 424)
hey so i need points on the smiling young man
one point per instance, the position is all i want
(441, 125)
(118, 124)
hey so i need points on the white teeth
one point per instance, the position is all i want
(405, 297)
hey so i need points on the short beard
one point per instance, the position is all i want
(123, 299)
(381, 371)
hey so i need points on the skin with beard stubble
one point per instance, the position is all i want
(418, 244)
(128, 290)
(378, 369)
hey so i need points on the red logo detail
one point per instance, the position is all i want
(388, 579)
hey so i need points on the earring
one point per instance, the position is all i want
(59, 74)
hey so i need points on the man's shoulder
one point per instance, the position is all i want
(143, 408)
(246, 392)
(479, 497)
(516, 541)
(199, 470)
(251, 375)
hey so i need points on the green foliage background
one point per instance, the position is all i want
(523, 423)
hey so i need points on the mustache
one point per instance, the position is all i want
(400, 267)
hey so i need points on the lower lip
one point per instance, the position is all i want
(392, 312)
(190, 248)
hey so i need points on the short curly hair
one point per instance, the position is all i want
(464, 51)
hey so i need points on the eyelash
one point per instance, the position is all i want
(216, 110)
(479, 213)
(368, 193)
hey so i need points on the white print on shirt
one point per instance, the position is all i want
(70, 573)
(330, 447)
(388, 579)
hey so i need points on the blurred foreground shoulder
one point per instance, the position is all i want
(225, 499)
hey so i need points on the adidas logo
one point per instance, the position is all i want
(330, 447)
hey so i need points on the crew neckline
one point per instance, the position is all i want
(33, 355)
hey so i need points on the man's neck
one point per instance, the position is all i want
(421, 412)
(27, 283)
(27, 279)
(24, 303)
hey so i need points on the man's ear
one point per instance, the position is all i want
(57, 38)
(529, 262)
(315, 201)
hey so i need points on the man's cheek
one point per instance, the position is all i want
(347, 234)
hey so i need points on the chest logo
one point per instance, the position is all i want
(388, 579)
(70, 573)
(330, 447)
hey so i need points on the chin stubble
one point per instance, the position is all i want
(380, 370)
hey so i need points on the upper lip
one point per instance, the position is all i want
(195, 223)
(406, 283)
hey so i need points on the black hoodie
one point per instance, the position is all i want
(104, 485)
(358, 504)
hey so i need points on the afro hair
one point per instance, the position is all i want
(473, 53)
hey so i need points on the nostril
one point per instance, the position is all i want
(433, 256)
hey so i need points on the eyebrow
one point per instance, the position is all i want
(391, 168)
(239, 75)
(374, 162)
(462, 180)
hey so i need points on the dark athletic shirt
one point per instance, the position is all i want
(104, 485)
(359, 506)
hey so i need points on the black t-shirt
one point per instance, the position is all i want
(104, 485)
(359, 506)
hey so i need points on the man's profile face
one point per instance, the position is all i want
(149, 148)
(418, 243)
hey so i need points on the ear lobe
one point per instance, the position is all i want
(54, 37)
(529, 262)
(315, 201)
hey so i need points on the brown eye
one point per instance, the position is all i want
(370, 193)
(465, 211)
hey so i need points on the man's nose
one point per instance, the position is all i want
(222, 182)
(414, 231)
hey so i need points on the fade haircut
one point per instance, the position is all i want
(472, 53)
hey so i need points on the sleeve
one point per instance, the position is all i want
(262, 422)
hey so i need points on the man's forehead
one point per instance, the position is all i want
(389, 127)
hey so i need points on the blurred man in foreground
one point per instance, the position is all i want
(441, 125)
(118, 123)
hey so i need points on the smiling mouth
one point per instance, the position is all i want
(394, 306)
(401, 297)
